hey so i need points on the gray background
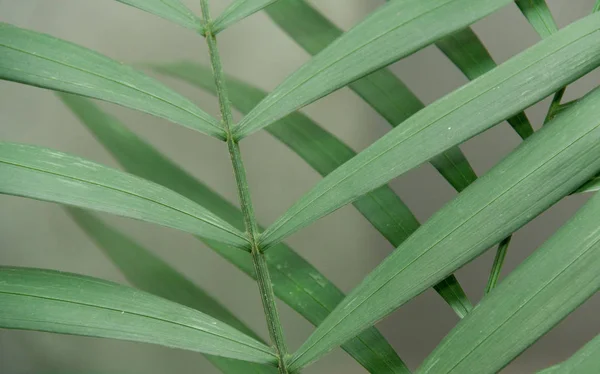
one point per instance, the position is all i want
(342, 245)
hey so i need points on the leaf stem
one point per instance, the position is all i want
(497, 266)
(258, 257)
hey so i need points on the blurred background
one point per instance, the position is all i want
(342, 245)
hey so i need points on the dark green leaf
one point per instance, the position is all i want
(45, 174)
(392, 32)
(543, 169)
(295, 281)
(44, 61)
(46, 300)
(482, 103)
(539, 16)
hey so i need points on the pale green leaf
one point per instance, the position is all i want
(172, 10)
(539, 16)
(543, 169)
(149, 273)
(295, 281)
(45, 174)
(390, 33)
(44, 61)
(543, 290)
(460, 115)
(46, 300)
(237, 11)
(584, 361)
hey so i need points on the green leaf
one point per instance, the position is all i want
(543, 290)
(592, 185)
(149, 273)
(45, 174)
(597, 6)
(543, 169)
(382, 90)
(324, 152)
(237, 11)
(460, 115)
(539, 16)
(44, 61)
(172, 10)
(469, 54)
(392, 32)
(295, 281)
(584, 361)
(497, 265)
(46, 300)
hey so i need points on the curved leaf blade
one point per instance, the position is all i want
(543, 290)
(52, 301)
(44, 174)
(460, 115)
(542, 170)
(295, 281)
(390, 33)
(172, 10)
(584, 361)
(149, 273)
(41, 60)
(237, 11)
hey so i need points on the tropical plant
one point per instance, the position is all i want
(562, 158)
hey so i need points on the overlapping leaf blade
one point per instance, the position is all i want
(543, 169)
(382, 90)
(549, 285)
(49, 175)
(324, 152)
(41, 60)
(482, 103)
(172, 10)
(237, 11)
(391, 32)
(295, 281)
(46, 300)
(149, 273)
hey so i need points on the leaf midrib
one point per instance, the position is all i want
(208, 121)
(135, 314)
(391, 147)
(293, 88)
(440, 240)
(214, 224)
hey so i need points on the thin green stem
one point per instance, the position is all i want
(497, 266)
(555, 105)
(258, 257)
